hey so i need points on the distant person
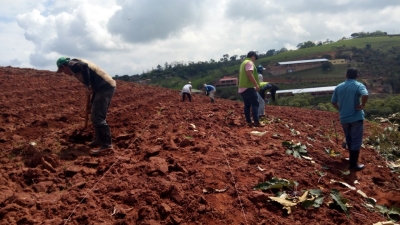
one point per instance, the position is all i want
(260, 71)
(265, 87)
(346, 99)
(210, 91)
(248, 88)
(187, 91)
(102, 87)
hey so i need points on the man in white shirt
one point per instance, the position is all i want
(187, 90)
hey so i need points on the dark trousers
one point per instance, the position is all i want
(250, 99)
(100, 105)
(184, 95)
(354, 134)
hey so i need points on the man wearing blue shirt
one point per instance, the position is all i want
(346, 98)
(210, 91)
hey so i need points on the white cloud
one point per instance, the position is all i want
(131, 36)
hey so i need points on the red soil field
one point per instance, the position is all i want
(166, 153)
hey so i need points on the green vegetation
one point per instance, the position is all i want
(378, 56)
(377, 106)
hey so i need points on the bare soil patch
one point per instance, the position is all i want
(166, 152)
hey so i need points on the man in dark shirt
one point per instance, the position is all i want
(102, 88)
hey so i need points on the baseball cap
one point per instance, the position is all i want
(252, 53)
(260, 68)
(62, 61)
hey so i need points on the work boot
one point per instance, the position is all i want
(96, 140)
(354, 161)
(259, 124)
(105, 138)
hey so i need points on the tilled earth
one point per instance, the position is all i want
(173, 162)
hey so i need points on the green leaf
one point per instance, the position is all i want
(296, 154)
(339, 200)
(394, 213)
(318, 202)
(287, 144)
(315, 192)
(307, 203)
(382, 209)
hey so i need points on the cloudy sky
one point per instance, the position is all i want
(134, 36)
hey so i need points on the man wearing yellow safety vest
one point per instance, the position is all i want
(248, 88)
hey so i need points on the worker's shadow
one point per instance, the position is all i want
(77, 145)
(340, 169)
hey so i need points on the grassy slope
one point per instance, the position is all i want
(383, 43)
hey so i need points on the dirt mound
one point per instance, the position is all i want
(173, 162)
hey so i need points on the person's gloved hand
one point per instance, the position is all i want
(207, 93)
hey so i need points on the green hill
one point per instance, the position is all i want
(378, 59)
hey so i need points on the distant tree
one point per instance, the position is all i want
(271, 52)
(167, 66)
(307, 44)
(319, 43)
(368, 46)
(212, 61)
(299, 45)
(233, 58)
(283, 50)
(355, 35)
(226, 56)
(242, 57)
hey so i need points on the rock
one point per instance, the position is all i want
(24, 199)
(71, 171)
(186, 142)
(177, 194)
(5, 194)
(164, 209)
(157, 164)
(258, 196)
(152, 151)
(42, 186)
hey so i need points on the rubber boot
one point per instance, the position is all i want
(96, 140)
(354, 161)
(105, 138)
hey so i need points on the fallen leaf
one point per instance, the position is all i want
(257, 133)
(261, 169)
(345, 184)
(303, 197)
(286, 203)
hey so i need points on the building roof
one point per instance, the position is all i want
(307, 90)
(302, 61)
(228, 78)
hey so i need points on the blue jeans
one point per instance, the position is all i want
(354, 134)
(250, 99)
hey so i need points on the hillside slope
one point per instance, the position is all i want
(162, 164)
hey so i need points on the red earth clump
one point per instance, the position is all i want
(166, 153)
